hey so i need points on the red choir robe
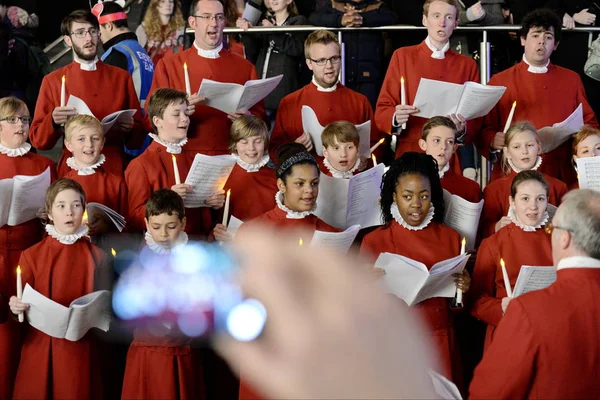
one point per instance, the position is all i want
(496, 204)
(208, 132)
(13, 240)
(342, 104)
(153, 170)
(463, 187)
(252, 193)
(52, 368)
(547, 344)
(542, 99)
(106, 90)
(517, 248)
(436, 242)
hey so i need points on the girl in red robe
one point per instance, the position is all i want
(586, 143)
(412, 205)
(15, 159)
(521, 152)
(522, 242)
(64, 266)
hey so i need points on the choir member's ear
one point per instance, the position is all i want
(424, 21)
(423, 145)
(157, 121)
(68, 41)
(68, 145)
(511, 201)
(281, 185)
(183, 221)
(394, 196)
(309, 64)
(325, 152)
(454, 148)
(505, 150)
(147, 224)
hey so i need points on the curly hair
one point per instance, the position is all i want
(542, 18)
(153, 26)
(412, 163)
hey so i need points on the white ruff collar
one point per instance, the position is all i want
(86, 65)
(85, 170)
(292, 214)
(442, 171)
(67, 239)
(214, 53)
(512, 215)
(536, 70)
(160, 249)
(252, 167)
(339, 174)
(538, 162)
(18, 152)
(396, 214)
(321, 88)
(438, 54)
(172, 148)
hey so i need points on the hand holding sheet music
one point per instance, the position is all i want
(117, 219)
(555, 135)
(533, 278)
(108, 121)
(207, 176)
(230, 97)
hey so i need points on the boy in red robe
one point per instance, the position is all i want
(340, 141)
(105, 89)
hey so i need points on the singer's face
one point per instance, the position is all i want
(208, 24)
(301, 187)
(440, 144)
(165, 228)
(342, 156)
(14, 135)
(326, 75)
(523, 150)
(251, 149)
(67, 212)
(588, 147)
(173, 125)
(413, 198)
(530, 202)
(539, 45)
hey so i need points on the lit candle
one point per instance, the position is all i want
(20, 291)
(402, 96)
(84, 219)
(113, 252)
(377, 145)
(506, 281)
(463, 250)
(62, 92)
(176, 170)
(300, 242)
(374, 160)
(510, 116)
(188, 88)
(226, 209)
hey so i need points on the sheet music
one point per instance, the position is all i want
(207, 176)
(234, 225)
(364, 193)
(463, 216)
(117, 219)
(6, 188)
(111, 119)
(443, 387)
(80, 106)
(230, 97)
(588, 172)
(28, 196)
(340, 242)
(441, 280)
(252, 14)
(477, 100)
(533, 278)
(332, 202)
(555, 135)
(256, 90)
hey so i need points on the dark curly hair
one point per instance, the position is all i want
(408, 164)
(542, 18)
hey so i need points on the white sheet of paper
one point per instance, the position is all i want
(443, 387)
(117, 219)
(230, 97)
(534, 278)
(80, 106)
(339, 242)
(234, 225)
(478, 100)
(332, 202)
(111, 119)
(252, 14)
(28, 196)
(588, 172)
(555, 135)
(463, 216)
(441, 280)
(6, 188)
(207, 176)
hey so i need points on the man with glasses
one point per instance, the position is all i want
(547, 345)
(104, 88)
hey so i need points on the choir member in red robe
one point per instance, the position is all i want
(438, 139)
(340, 141)
(162, 367)
(64, 266)
(206, 59)
(153, 169)
(547, 344)
(545, 94)
(412, 205)
(329, 99)
(15, 159)
(105, 89)
(432, 59)
(522, 242)
(586, 143)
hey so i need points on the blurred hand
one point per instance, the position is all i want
(192, 101)
(403, 112)
(60, 115)
(220, 233)
(125, 123)
(364, 162)
(182, 189)
(459, 121)
(236, 114)
(352, 18)
(463, 281)
(217, 200)
(584, 17)
(17, 306)
(477, 10)
(502, 223)
(568, 22)
(305, 140)
(243, 24)
(498, 142)
(267, 23)
(98, 224)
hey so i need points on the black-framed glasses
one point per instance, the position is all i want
(549, 228)
(208, 17)
(82, 33)
(15, 119)
(323, 61)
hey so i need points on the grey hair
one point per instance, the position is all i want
(580, 213)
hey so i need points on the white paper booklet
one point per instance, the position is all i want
(72, 323)
(108, 121)
(588, 172)
(443, 387)
(117, 219)
(207, 176)
(412, 282)
(462, 216)
(340, 242)
(252, 14)
(311, 125)
(534, 278)
(21, 197)
(230, 97)
(471, 100)
(355, 201)
(555, 135)
(234, 225)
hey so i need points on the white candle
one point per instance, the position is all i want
(506, 281)
(402, 96)
(62, 92)
(226, 209)
(374, 160)
(463, 250)
(510, 116)
(188, 88)
(176, 170)
(20, 291)
(376, 145)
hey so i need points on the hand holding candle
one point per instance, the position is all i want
(506, 280)
(20, 291)
(377, 145)
(402, 97)
(186, 75)
(226, 209)
(176, 170)
(62, 91)
(510, 117)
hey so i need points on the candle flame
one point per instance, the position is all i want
(515, 103)
(85, 217)
(463, 241)
(374, 159)
(63, 79)
(401, 79)
(18, 269)
(173, 157)
(300, 242)
(502, 263)
(185, 65)
(382, 140)
(113, 252)
(229, 193)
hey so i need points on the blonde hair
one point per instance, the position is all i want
(60, 186)
(81, 121)
(585, 132)
(153, 25)
(428, 3)
(321, 36)
(245, 127)
(9, 106)
(511, 134)
(343, 131)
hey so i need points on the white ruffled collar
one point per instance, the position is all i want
(536, 70)
(86, 65)
(91, 170)
(292, 214)
(213, 53)
(442, 171)
(67, 239)
(438, 54)
(172, 148)
(159, 249)
(252, 167)
(538, 162)
(339, 174)
(396, 214)
(512, 215)
(321, 88)
(18, 152)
